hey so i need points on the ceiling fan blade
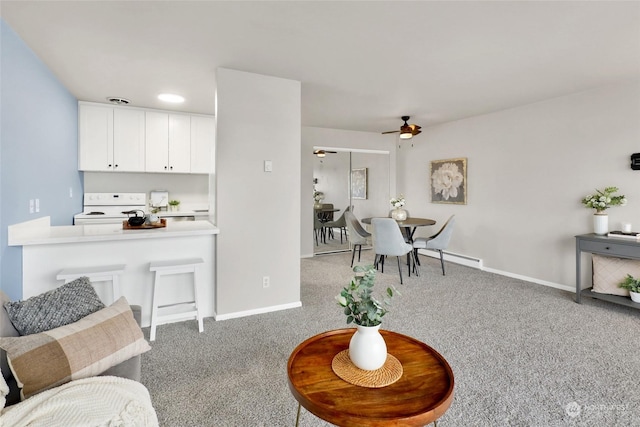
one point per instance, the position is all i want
(415, 132)
(391, 131)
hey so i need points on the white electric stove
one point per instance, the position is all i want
(110, 208)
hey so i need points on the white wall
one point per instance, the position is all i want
(334, 138)
(528, 168)
(258, 212)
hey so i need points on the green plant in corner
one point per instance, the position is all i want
(360, 306)
(631, 284)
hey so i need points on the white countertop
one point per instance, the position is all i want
(40, 232)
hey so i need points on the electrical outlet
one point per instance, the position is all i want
(71, 192)
(37, 205)
(32, 207)
(265, 282)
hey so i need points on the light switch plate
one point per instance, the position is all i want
(268, 166)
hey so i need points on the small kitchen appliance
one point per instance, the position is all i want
(109, 208)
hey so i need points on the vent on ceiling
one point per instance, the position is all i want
(118, 100)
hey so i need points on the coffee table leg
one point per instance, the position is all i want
(298, 416)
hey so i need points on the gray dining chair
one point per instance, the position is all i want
(388, 241)
(358, 236)
(318, 230)
(439, 241)
(340, 223)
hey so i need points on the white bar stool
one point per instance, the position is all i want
(164, 268)
(101, 273)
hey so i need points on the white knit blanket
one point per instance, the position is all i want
(96, 401)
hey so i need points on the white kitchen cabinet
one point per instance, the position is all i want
(168, 142)
(203, 130)
(111, 139)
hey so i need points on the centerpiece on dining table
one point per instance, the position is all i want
(398, 213)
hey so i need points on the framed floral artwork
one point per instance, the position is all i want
(449, 181)
(359, 183)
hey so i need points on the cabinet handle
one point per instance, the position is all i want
(171, 167)
(116, 166)
(109, 165)
(607, 248)
(165, 168)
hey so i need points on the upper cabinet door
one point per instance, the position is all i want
(203, 131)
(157, 142)
(128, 140)
(95, 144)
(179, 143)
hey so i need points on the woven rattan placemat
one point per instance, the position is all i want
(390, 372)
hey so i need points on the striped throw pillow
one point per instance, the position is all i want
(82, 349)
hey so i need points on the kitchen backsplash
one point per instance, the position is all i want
(191, 190)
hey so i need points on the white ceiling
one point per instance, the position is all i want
(362, 64)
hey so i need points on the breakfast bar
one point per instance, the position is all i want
(46, 250)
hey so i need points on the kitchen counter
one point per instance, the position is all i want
(40, 232)
(46, 250)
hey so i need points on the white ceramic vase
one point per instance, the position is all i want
(367, 349)
(600, 223)
(635, 296)
(399, 214)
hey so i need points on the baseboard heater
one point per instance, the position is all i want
(454, 257)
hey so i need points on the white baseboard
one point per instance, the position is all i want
(477, 263)
(455, 258)
(532, 279)
(257, 311)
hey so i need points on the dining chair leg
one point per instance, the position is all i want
(442, 261)
(359, 252)
(416, 264)
(399, 269)
(353, 255)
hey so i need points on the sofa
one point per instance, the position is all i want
(105, 391)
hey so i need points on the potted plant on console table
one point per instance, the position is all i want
(633, 286)
(601, 201)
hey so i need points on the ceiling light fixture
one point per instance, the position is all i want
(170, 97)
(320, 154)
(406, 132)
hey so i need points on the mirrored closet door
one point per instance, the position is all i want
(347, 179)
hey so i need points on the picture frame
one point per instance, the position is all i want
(448, 181)
(359, 183)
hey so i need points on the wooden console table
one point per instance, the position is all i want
(607, 246)
(419, 397)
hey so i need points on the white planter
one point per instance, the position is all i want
(635, 296)
(600, 223)
(367, 349)
(399, 214)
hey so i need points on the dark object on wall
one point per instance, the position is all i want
(635, 161)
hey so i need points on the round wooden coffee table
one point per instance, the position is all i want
(419, 397)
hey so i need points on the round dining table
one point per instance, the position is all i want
(409, 226)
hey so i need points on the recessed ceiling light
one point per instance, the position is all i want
(170, 97)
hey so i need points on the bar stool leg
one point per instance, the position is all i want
(195, 300)
(154, 308)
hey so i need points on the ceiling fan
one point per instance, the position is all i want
(407, 131)
(322, 153)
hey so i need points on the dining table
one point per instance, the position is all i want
(409, 227)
